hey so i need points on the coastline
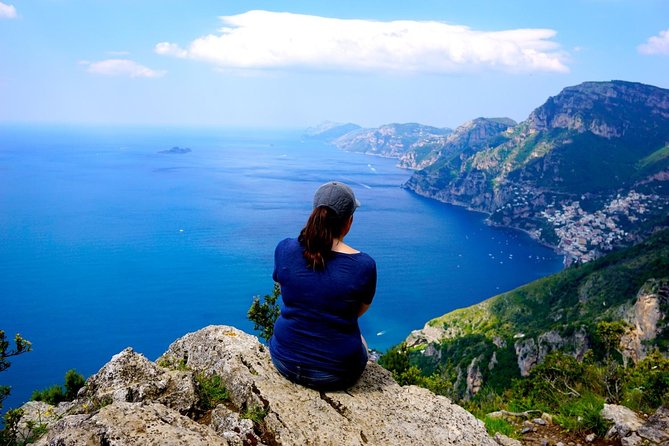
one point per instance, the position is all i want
(566, 260)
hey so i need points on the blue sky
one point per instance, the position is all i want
(297, 63)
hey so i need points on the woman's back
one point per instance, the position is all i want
(318, 325)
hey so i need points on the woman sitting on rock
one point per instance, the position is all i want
(326, 286)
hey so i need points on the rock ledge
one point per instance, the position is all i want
(132, 400)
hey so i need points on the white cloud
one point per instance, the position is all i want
(121, 67)
(171, 49)
(656, 44)
(7, 11)
(263, 39)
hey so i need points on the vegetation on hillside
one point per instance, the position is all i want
(587, 300)
(574, 297)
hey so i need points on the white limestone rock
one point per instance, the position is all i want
(131, 424)
(133, 401)
(130, 377)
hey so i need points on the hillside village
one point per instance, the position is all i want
(583, 236)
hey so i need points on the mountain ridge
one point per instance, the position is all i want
(590, 144)
(585, 173)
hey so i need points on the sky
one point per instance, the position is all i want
(295, 64)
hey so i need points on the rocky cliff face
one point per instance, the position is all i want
(531, 352)
(646, 319)
(448, 162)
(587, 145)
(133, 401)
(606, 109)
(630, 430)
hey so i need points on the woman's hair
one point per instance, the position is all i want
(322, 227)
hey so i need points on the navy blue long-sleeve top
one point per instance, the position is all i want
(318, 325)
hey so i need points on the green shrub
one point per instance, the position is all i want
(264, 315)
(607, 336)
(505, 371)
(51, 395)
(634, 399)
(211, 390)
(437, 383)
(647, 384)
(8, 435)
(582, 414)
(254, 413)
(73, 382)
(487, 400)
(396, 360)
(56, 394)
(409, 377)
(172, 364)
(13, 435)
(558, 377)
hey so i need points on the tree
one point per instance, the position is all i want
(263, 315)
(609, 334)
(73, 382)
(20, 346)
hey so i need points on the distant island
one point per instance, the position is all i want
(176, 150)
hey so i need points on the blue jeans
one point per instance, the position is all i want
(316, 379)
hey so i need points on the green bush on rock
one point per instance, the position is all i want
(57, 394)
(263, 315)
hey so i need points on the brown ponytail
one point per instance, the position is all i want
(316, 237)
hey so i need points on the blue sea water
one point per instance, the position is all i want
(106, 243)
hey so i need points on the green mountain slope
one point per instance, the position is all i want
(509, 334)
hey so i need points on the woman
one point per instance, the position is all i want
(326, 285)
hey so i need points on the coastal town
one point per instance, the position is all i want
(584, 236)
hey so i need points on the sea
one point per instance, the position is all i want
(107, 243)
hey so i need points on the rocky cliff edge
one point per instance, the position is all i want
(133, 401)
